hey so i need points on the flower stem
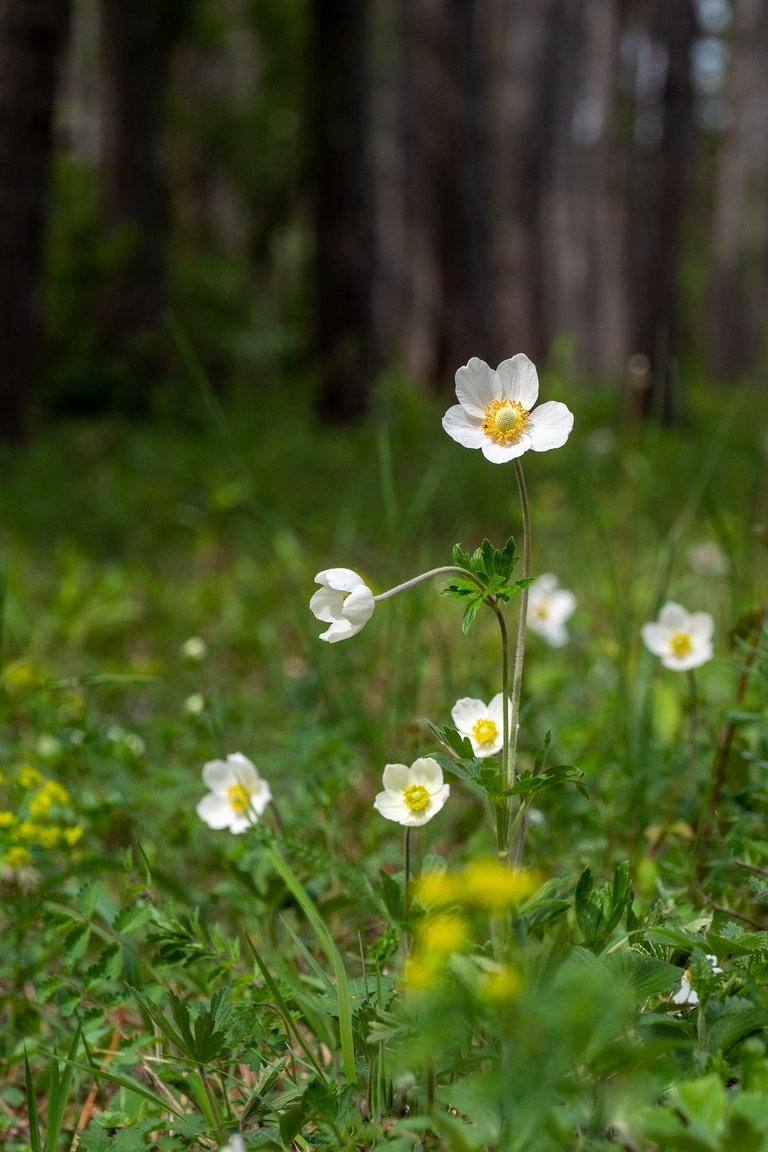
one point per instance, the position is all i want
(407, 887)
(448, 570)
(692, 727)
(517, 676)
(502, 809)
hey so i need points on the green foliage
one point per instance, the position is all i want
(175, 985)
(492, 569)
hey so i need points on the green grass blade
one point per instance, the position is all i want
(126, 1082)
(284, 1009)
(343, 995)
(34, 1120)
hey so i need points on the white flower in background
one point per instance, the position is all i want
(237, 797)
(548, 609)
(412, 796)
(236, 1144)
(687, 994)
(707, 558)
(495, 414)
(195, 648)
(194, 704)
(482, 724)
(683, 640)
(344, 601)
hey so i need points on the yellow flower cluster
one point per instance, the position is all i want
(488, 885)
(35, 813)
(443, 943)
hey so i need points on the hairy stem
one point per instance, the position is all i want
(517, 676)
(448, 570)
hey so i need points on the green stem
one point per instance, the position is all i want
(692, 727)
(517, 676)
(407, 887)
(502, 809)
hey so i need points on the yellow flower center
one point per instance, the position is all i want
(416, 797)
(504, 421)
(484, 731)
(239, 798)
(680, 644)
(542, 611)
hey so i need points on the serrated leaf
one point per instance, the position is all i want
(130, 917)
(88, 897)
(76, 941)
(470, 612)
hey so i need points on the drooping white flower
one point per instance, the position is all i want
(548, 609)
(412, 796)
(683, 640)
(482, 724)
(237, 797)
(495, 411)
(344, 601)
(687, 994)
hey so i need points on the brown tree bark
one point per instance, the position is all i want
(32, 36)
(738, 287)
(136, 40)
(343, 340)
(664, 129)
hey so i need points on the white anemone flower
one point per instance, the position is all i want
(412, 796)
(344, 601)
(238, 795)
(683, 640)
(494, 412)
(548, 609)
(482, 724)
(687, 994)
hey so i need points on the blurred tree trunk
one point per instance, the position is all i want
(522, 44)
(664, 135)
(738, 288)
(343, 334)
(32, 36)
(136, 40)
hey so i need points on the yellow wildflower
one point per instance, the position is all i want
(52, 793)
(440, 935)
(501, 985)
(16, 857)
(71, 835)
(45, 835)
(494, 886)
(436, 888)
(29, 777)
(7, 819)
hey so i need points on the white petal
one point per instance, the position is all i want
(698, 655)
(674, 617)
(245, 771)
(326, 604)
(476, 386)
(501, 453)
(218, 775)
(339, 630)
(428, 772)
(519, 380)
(496, 709)
(391, 807)
(358, 606)
(562, 605)
(547, 582)
(342, 579)
(214, 811)
(466, 712)
(656, 638)
(701, 626)
(397, 777)
(260, 797)
(549, 426)
(463, 428)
